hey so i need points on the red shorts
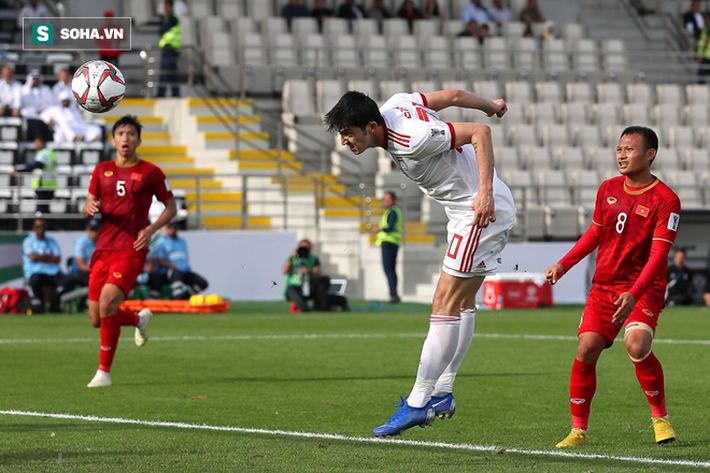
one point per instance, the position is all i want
(114, 267)
(600, 308)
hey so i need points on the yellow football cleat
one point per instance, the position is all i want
(663, 429)
(576, 437)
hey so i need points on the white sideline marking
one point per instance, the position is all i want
(453, 446)
(315, 336)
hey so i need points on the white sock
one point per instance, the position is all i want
(445, 383)
(438, 350)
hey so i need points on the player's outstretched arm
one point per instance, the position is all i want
(460, 98)
(91, 206)
(144, 236)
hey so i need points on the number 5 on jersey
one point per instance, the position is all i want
(121, 188)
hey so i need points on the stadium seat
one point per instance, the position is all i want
(366, 87)
(394, 28)
(544, 113)
(561, 215)
(640, 93)
(297, 103)
(406, 57)
(302, 26)
(530, 216)
(516, 114)
(254, 59)
(670, 94)
(240, 27)
(555, 135)
(698, 94)
(605, 114)
(525, 56)
(60, 203)
(207, 26)
(228, 9)
(523, 135)
(59, 61)
(685, 184)
(513, 30)
(64, 176)
(467, 53)
(666, 114)
(572, 33)
(498, 135)
(697, 160)
(218, 49)
(586, 135)
(666, 160)
(10, 128)
(425, 86)
(328, 92)
(612, 134)
(200, 9)
(8, 152)
(585, 56)
(548, 91)
(346, 57)
(575, 113)
(518, 92)
(554, 55)
(614, 54)
(282, 51)
(495, 54)
(452, 28)
(602, 160)
(259, 9)
(390, 87)
(506, 158)
(702, 136)
(333, 27)
(487, 88)
(569, 159)
(364, 29)
(535, 158)
(376, 54)
(424, 30)
(64, 153)
(437, 58)
(636, 113)
(680, 137)
(610, 92)
(585, 186)
(696, 115)
(579, 92)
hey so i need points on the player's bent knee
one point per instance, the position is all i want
(638, 347)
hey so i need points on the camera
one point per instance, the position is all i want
(303, 252)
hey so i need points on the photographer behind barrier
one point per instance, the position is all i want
(304, 280)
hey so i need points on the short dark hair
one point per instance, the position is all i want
(169, 2)
(353, 109)
(128, 120)
(392, 194)
(650, 139)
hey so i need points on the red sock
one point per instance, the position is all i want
(582, 386)
(109, 332)
(650, 375)
(125, 317)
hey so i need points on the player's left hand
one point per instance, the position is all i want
(626, 303)
(485, 209)
(499, 108)
(143, 239)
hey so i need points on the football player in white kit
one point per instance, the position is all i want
(452, 163)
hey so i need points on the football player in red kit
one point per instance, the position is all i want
(122, 190)
(634, 225)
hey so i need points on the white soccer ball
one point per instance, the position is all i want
(98, 86)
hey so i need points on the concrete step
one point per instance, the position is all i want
(225, 140)
(208, 106)
(187, 183)
(234, 222)
(133, 106)
(211, 123)
(170, 162)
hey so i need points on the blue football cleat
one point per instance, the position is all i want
(444, 406)
(405, 418)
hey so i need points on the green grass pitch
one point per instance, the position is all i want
(259, 389)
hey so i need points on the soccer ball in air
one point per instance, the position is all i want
(98, 86)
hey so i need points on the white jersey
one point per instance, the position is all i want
(424, 148)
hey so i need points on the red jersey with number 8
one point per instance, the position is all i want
(125, 196)
(631, 219)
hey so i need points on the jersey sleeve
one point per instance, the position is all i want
(597, 217)
(94, 184)
(161, 188)
(668, 219)
(430, 137)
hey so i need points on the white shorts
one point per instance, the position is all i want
(474, 251)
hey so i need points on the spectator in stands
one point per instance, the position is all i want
(679, 290)
(483, 33)
(531, 14)
(409, 12)
(68, 123)
(83, 249)
(694, 21)
(471, 29)
(44, 169)
(499, 13)
(704, 53)
(304, 280)
(35, 98)
(10, 93)
(379, 11)
(321, 11)
(389, 237)
(351, 11)
(432, 11)
(550, 32)
(110, 47)
(34, 9)
(40, 258)
(179, 7)
(171, 254)
(475, 11)
(170, 40)
(63, 85)
(294, 9)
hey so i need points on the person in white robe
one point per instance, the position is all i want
(68, 123)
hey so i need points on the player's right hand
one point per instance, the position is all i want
(90, 208)
(554, 273)
(499, 108)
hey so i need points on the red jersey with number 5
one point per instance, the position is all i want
(125, 196)
(631, 218)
